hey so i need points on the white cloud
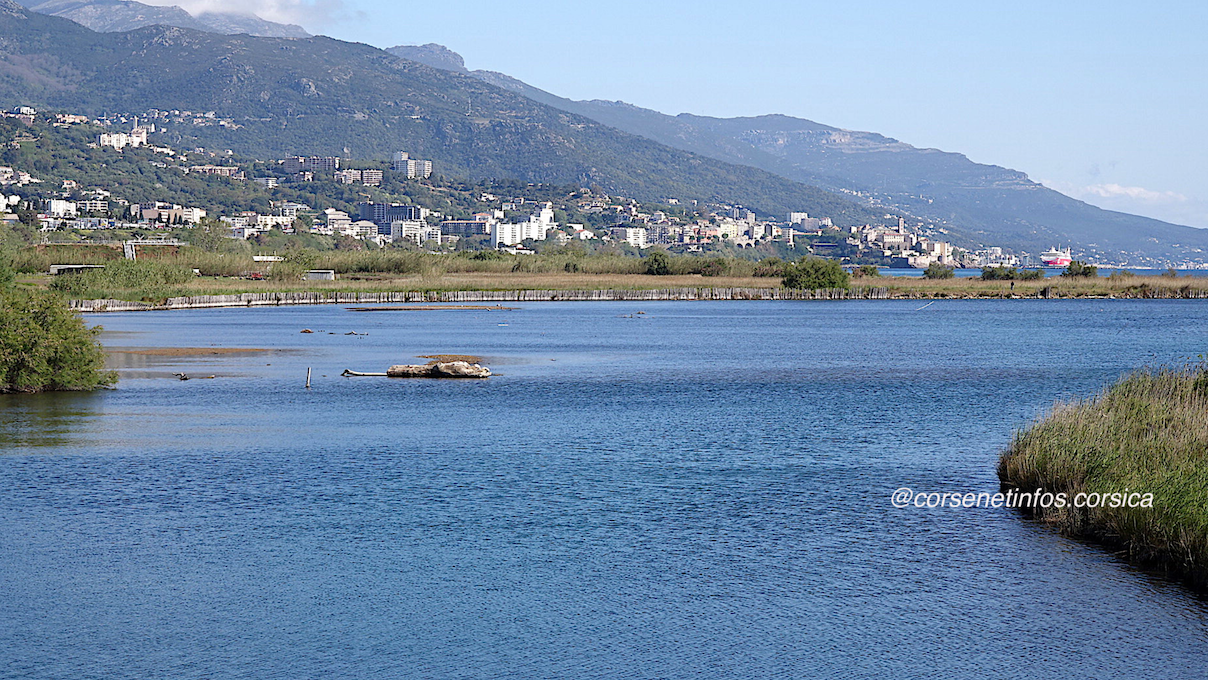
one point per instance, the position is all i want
(310, 13)
(1170, 206)
(1135, 193)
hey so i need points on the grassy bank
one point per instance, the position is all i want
(160, 284)
(1148, 433)
(161, 273)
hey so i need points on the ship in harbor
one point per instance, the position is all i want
(1056, 258)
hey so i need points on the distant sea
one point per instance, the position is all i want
(975, 272)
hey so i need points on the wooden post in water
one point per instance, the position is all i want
(308, 377)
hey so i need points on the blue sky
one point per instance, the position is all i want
(1105, 101)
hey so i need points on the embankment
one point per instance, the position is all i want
(1147, 434)
(319, 298)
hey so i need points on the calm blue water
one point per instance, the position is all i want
(701, 491)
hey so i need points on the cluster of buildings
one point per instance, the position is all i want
(392, 222)
(100, 211)
(24, 114)
(119, 140)
(172, 117)
(307, 168)
(411, 168)
(904, 246)
(245, 225)
(17, 178)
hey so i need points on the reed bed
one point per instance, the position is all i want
(1148, 433)
(404, 270)
(287, 278)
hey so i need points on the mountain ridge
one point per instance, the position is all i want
(985, 202)
(281, 97)
(125, 15)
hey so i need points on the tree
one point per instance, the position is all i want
(1080, 269)
(935, 270)
(658, 264)
(1003, 273)
(8, 275)
(770, 266)
(815, 273)
(45, 346)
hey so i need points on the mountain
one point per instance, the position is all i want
(274, 97)
(125, 15)
(436, 56)
(983, 203)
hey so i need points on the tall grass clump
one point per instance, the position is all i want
(1148, 433)
(146, 280)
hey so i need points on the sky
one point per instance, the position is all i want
(1105, 101)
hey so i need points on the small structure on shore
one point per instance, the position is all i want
(436, 369)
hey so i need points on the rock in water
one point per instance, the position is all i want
(459, 369)
(440, 369)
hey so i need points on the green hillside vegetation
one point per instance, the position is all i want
(55, 154)
(320, 96)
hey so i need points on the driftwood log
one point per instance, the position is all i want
(439, 369)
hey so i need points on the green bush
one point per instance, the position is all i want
(713, 267)
(770, 266)
(815, 273)
(44, 346)
(1080, 269)
(867, 271)
(658, 264)
(1003, 273)
(1010, 274)
(7, 275)
(935, 270)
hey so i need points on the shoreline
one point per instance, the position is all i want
(1124, 469)
(272, 299)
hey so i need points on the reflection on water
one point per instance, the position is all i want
(45, 420)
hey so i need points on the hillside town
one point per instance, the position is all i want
(515, 224)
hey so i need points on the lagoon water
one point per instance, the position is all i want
(700, 491)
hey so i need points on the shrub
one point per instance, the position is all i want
(815, 273)
(44, 346)
(1003, 273)
(1010, 274)
(487, 255)
(713, 267)
(658, 264)
(770, 266)
(1080, 269)
(7, 275)
(935, 270)
(867, 270)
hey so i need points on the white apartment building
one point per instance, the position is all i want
(634, 236)
(58, 208)
(409, 229)
(536, 228)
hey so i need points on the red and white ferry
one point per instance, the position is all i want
(1056, 258)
